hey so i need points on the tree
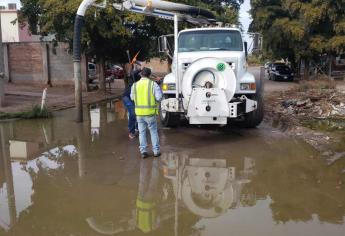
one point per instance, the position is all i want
(300, 30)
(107, 32)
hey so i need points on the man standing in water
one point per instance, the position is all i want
(128, 102)
(146, 94)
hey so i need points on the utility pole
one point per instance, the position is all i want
(2, 69)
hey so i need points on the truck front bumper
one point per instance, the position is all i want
(235, 110)
(210, 106)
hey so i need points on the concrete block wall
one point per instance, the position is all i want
(60, 65)
(25, 62)
(45, 63)
(38, 63)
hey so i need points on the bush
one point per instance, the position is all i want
(319, 84)
(254, 60)
(34, 113)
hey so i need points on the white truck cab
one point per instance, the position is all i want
(209, 69)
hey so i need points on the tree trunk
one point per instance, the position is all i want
(128, 70)
(330, 62)
(85, 71)
(298, 72)
(306, 69)
(2, 71)
(101, 75)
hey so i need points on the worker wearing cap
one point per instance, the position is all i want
(146, 94)
(134, 76)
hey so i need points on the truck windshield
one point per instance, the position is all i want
(210, 40)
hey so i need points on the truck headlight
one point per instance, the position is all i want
(167, 87)
(248, 86)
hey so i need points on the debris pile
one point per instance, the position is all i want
(315, 104)
(310, 111)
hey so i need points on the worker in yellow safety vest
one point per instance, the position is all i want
(146, 94)
(147, 219)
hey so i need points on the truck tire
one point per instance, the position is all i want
(169, 119)
(254, 118)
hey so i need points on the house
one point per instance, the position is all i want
(12, 30)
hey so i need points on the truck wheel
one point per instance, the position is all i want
(169, 119)
(254, 118)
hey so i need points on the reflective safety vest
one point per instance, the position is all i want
(146, 216)
(144, 99)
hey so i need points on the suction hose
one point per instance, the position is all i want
(177, 7)
(78, 25)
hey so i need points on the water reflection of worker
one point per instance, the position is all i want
(146, 212)
(129, 104)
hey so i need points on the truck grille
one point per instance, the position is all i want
(186, 65)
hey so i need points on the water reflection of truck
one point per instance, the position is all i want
(207, 187)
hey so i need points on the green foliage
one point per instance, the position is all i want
(34, 113)
(300, 29)
(108, 33)
(254, 60)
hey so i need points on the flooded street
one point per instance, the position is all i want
(62, 178)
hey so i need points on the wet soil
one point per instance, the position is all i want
(311, 110)
(23, 97)
(62, 178)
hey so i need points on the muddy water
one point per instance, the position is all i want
(61, 178)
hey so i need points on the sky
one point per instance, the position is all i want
(245, 19)
(5, 2)
(244, 15)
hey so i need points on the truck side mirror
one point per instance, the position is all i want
(163, 44)
(246, 49)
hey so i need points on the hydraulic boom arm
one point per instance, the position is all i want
(157, 8)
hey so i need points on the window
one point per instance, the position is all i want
(2, 7)
(12, 6)
(210, 40)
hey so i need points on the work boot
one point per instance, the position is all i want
(131, 136)
(157, 154)
(144, 155)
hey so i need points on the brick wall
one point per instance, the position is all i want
(25, 62)
(39, 62)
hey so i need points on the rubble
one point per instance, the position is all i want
(312, 114)
(321, 104)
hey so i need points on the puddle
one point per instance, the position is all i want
(62, 178)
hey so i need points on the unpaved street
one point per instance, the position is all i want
(88, 179)
(271, 86)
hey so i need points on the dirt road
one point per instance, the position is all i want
(24, 97)
(272, 86)
(58, 177)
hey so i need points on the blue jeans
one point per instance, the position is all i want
(129, 104)
(149, 122)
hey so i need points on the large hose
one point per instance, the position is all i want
(78, 25)
(177, 7)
